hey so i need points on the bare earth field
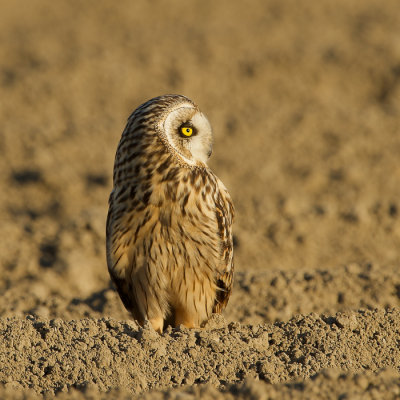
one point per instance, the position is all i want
(304, 99)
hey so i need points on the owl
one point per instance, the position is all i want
(169, 225)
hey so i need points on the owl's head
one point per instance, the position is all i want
(185, 130)
(164, 128)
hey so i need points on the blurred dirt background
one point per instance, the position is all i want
(304, 99)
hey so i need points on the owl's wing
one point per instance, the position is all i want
(123, 287)
(225, 213)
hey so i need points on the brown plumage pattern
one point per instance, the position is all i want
(169, 225)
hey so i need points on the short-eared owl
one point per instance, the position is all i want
(169, 225)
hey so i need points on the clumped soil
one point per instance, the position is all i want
(51, 356)
(304, 100)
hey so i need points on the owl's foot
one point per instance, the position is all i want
(182, 317)
(158, 324)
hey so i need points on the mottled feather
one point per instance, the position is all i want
(169, 226)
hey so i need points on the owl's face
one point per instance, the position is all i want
(186, 131)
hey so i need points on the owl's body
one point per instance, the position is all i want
(169, 226)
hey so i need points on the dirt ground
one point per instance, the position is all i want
(304, 100)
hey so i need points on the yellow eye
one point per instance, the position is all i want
(187, 131)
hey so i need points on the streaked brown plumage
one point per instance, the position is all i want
(169, 225)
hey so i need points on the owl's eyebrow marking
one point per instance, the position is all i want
(187, 123)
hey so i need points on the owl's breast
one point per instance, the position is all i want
(186, 204)
(186, 212)
(169, 219)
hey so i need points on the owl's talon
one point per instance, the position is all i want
(157, 324)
